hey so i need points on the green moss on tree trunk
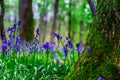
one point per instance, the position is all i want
(104, 40)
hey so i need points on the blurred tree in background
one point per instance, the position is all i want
(2, 11)
(26, 17)
(72, 19)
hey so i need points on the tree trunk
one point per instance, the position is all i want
(2, 35)
(54, 19)
(92, 6)
(104, 40)
(44, 31)
(69, 22)
(26, 16)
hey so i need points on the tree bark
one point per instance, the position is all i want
(26, 17)
(43, 24)
(2, 35)
(54, 19)
(69, 22)
(104, 40)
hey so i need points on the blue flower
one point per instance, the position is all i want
(17, 38)
(9, 43)
(3, 32)
(9, 29)
(4, 46)
(19, 23)
(70, 43)
(37, 31)
(37, 48)
(46, 45)
(35, 39)
(16, 47)
(3, 40)
(79, 47)
(100, 78)
(65, 50)
(23, 43)
(57, 35)
(14, 26)
(31, 50)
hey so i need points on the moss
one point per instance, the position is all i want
(104, 58)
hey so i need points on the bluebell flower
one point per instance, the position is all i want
(16, 47)
(19, 23)
(3, 32)
(4, 46)
(14, 26)
(57, 35)
(12, 29)
(9, 29)
(41, 47)
(3, 40)
(79, 47)
(17, 38)
(65, 50)
(100, 78)
(22, 42)
(9, 43)
(37, 31)
(46, 46)
(51, 45)
(70, 43)
(6, 52)
(37, 48)
(31, 50)
(35, 39)
(10, 38)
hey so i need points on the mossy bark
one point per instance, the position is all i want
(26, 16)
(104, 40)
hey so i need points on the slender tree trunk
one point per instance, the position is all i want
(26, 16)
(45, 20)
(54, 19)
(81, 29)
(43, 26)
(69, 22)
(59, 28)
(44, 31)
(92, 6)
(103, 58)
(2, 35)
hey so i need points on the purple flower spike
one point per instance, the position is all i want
(57, 35)
(65, 50)
(19, 23)
(70, 44)
(3, 32)
(9, 30)
(16, 47)
(37, 31)
(80, 47)
(100, 78)
(14, 26)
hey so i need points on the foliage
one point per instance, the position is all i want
(34, 60)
